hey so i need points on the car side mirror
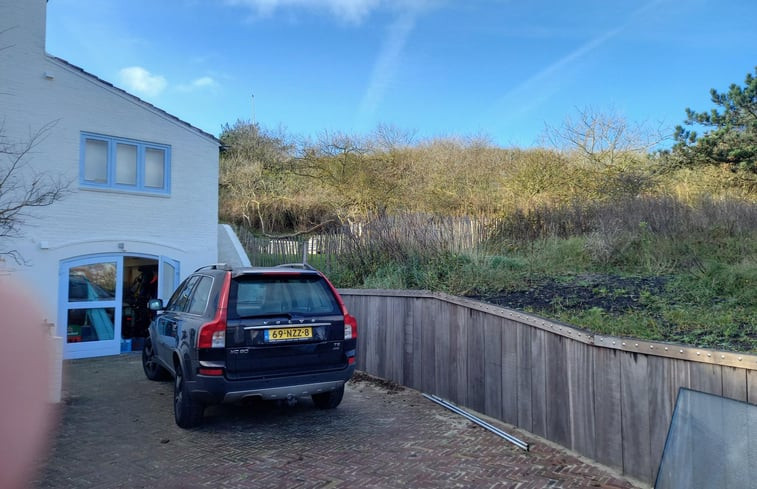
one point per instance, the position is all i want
(155, 304)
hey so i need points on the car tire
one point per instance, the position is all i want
(153, 370)
(187, 412)
(328, 400)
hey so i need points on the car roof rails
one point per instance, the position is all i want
(304, 266)
(216, 266)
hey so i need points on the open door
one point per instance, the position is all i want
(168, 278)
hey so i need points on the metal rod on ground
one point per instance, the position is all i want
(515, 441)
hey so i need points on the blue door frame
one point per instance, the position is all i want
(90, 301)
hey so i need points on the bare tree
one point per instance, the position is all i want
(604, 139)
(611, 154)
(22, 188)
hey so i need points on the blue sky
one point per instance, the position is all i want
(499, 68)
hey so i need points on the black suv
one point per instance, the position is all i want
(234, 334)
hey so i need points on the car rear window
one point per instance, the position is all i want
(293, 294)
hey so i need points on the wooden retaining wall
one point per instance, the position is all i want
(610, 399)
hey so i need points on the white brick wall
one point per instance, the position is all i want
(182, 226)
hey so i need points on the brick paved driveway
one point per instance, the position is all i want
(117, 430)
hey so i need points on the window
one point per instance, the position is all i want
(91, 295)
(124, 164)
(258, 295)
(200, 296)
(180, 299)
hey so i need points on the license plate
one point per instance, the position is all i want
(284, 334)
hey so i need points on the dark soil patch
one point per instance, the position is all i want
(611, 293)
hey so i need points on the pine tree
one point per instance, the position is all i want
(730, 130)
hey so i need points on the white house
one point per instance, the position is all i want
(142, 211)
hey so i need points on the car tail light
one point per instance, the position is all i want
(213, 334)
(350, 323)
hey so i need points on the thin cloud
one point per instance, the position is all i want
(389, 59)
(353, 12)
(204, 82)
(140, 81)
(387, 63)
(544, 83)
(349, 11)
(551, 71)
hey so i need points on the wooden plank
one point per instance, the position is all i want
(395, 338)
(734, 383)
(666, 377)
(558, 396)
(581, 393)
(510, 372)
(378, 338)
(661, 396)
(539, 382)
(475, 353)
(363, 344)
(360, 309)
(523, 377)
(679, 352)
(442, 354)
(417, 346)
(408, 344)
(493, 366)
(751, 383)
(706, 377)
(375, 346)
(637, 460)
(386, 317)
(430, 309)
(459, 361)
(607, 408)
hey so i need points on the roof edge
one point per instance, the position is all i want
(133, 97)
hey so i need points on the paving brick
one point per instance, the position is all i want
(117, 430)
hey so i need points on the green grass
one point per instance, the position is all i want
(634, 324)
(709, 296)
(732, 329)
(713, 305)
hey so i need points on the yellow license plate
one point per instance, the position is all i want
(284, 334)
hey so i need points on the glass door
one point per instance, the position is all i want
(91, 297)
(168, 278)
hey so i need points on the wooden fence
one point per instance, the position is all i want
(610, 399)
(412, 230)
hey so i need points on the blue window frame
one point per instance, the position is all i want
(108, 162)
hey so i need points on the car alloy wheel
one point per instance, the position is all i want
(187, 412)
(150, 365)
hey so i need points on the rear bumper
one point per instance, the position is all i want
(215, 390)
